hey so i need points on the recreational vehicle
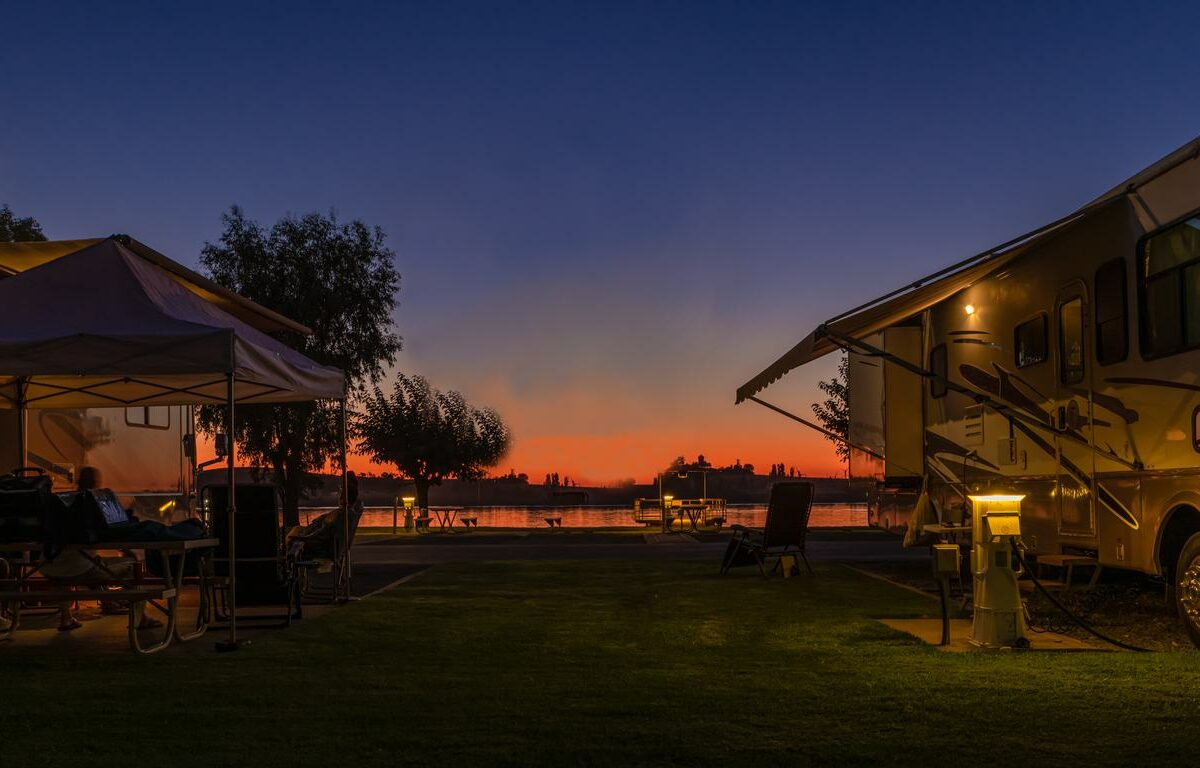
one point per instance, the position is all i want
(1063, 365)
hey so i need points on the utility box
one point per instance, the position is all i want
(999, 620)
(947, 560)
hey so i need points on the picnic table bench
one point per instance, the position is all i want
(160, 593)
(554, 522)
(137, 597)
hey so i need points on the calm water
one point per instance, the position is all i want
(823, 516)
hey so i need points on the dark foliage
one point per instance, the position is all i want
(834, 413)
(14, 230)
(429, 435)
(340, 281)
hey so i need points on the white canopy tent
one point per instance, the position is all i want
(105, 326)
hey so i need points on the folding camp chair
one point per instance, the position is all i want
(266, 575)
(784, 533)
(329, 555)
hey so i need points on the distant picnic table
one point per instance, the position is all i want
(445, 515)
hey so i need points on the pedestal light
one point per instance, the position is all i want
(409, 503)
(999, 620)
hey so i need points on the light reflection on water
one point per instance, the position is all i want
(823, 516)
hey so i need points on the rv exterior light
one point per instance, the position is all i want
(668, 499)
(969, 309)
(998, 498)
(409, 501)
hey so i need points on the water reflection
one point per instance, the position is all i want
(823, 516)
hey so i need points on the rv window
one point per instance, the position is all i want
(939, 366)
(1031, 342)
(1170, 276)
(1070, 341)
(1112, 332)
(152, 416)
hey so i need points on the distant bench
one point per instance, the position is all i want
(553, 522)
(469, 521)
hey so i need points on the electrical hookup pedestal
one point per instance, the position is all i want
(999, 620)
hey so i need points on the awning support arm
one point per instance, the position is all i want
(851, 344)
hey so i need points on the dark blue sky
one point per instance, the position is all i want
(607, 216)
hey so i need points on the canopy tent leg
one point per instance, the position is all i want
(345, 503)
(22, 423)
(231, 643)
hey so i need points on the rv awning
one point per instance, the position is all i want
(902, 304)
(16, 258)
(103, 326)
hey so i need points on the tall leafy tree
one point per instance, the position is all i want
(14, 230)
(834, 412)
(340, 280)
(429, 435)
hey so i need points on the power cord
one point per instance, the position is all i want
(1063, 608)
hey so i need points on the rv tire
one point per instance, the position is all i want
(1187, 587)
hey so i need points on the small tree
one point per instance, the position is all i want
(340, 281)
(14, 230)
(834, 413)
(429, 435)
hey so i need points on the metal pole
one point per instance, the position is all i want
(22, 422)
(231, 644)
(345, 499)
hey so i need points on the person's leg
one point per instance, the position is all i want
(66, 619)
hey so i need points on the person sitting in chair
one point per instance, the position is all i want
(316, 539)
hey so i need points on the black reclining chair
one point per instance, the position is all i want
(784, 533)
(266, 575)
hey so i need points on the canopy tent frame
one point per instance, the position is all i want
(65, 348)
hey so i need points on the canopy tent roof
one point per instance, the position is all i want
(19, 257)
(904, 303)
(104, 326)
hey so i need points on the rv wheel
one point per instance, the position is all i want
(1187, 587)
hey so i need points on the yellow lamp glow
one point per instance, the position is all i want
(408, 501)
(969, 309)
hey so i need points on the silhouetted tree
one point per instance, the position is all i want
(14, 230)
(547, 481)
(429, 435)
(834, 413)
(340, 281)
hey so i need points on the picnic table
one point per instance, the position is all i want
(693, 511)
(445, 515)
(160, 593)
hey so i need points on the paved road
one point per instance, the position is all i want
(432, 552)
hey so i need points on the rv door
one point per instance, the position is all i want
(1072, 414)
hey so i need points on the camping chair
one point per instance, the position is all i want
(784, 533)
(330, 555)
(266, 575)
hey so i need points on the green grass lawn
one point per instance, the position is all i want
(602, 663)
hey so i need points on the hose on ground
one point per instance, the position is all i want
(1033, 575)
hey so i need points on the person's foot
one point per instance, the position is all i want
(74, 623)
